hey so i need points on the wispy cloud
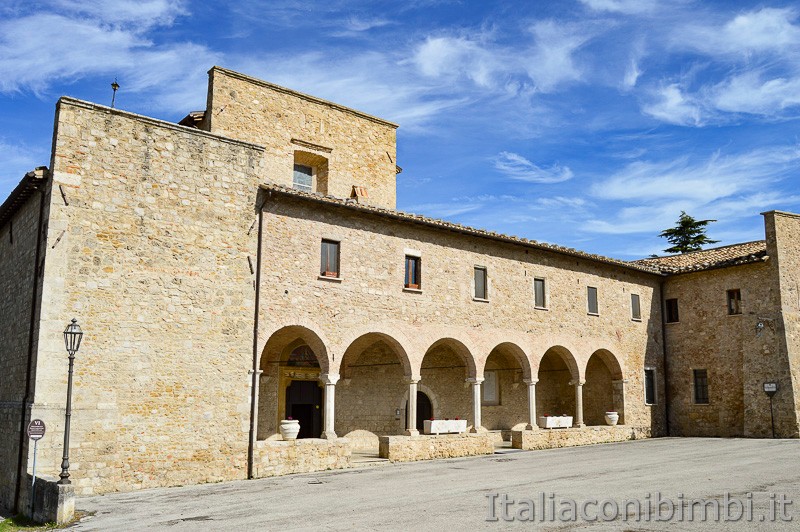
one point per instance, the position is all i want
(622, 6)
(720, 187)
(671, 105)
(518, 167)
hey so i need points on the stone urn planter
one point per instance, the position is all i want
(612, 418)
(290, 428)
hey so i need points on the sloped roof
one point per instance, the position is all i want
(733, 255)
(450, 226)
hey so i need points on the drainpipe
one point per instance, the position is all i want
(38, 184)
(664, 358)
(256, 373)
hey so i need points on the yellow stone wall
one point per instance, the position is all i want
(360, 149)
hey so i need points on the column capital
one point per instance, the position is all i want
(257, 372)
(329, 378)
(411, 380)
(530, 382)
(620, 381)
(472, 380)
(577, 382)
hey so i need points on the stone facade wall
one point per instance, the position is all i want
(783, 243)
(359, 149)
(369, 299)
(530, 440)
(17, 267)
(274, 458)
(149, 250)
(432, 447)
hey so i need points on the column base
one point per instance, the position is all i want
(329, 435)
(411, 432)
(580, 425)
(531, 427)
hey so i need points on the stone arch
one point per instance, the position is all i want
(362, 342)
(604, 388)
(516, 352)
(279, 375)
(282, 341)
(459, 348)
(505, 395)
(392, 335)
(557, 374)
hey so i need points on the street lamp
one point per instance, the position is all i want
(72, 341)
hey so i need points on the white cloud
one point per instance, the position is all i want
(721, 187)
(759, 31)
(454, 57)
(628, 7)
(673, 106)
(139, 13)
(749, 93)
(552, 62)
(518, 167)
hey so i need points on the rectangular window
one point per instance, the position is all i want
(591, 294)
(636, 309)
(303, 178)
(734, 302)
(481, 290)
(539, 299)
(329, 259)
(650, 386)
(491, 388)
(701, 387)
(413, 272)
(672, 310)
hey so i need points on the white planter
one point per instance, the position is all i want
(612, 418)
(444, 426)
(290, 428)
(555, 422)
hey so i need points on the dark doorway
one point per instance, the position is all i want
(424, 410)
(304, 403)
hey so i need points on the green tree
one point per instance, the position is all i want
(687, 235)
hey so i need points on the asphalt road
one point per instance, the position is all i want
(452, 494)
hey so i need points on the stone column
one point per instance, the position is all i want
(619, 399)
(411, 421)
(532, 424)
(330, 380)
(255, 395)
(579, 403)
(476, 403)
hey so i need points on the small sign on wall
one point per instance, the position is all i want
(770, 388)
(491, 391)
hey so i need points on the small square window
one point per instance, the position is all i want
(413, 272)
(671, 310)
(636, 308)
(303, 178)
(734, 302)
(329, 259)
(481, 290)
(591, 294)
(650, 386)
(700, 387)
(539, 294)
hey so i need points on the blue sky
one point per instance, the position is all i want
(586, 123)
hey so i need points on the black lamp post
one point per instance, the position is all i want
(72, 341)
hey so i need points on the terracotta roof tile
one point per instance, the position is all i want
(707, 259)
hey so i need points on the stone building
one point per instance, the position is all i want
(249, 264)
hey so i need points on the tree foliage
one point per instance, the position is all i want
(687, 235)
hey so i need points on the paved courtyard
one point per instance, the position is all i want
(452, 494)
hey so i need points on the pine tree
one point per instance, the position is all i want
(687, 235)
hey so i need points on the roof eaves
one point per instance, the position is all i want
(458, 228)
(30, 182)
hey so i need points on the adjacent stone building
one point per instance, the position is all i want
(249, 265)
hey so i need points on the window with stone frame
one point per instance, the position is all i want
(636, 308)
(671, 310)
(700, 386)
(539, 293)
(650, 396)
(481, 283)
(329, 259)
(591, 303)
(413, 277)
(734, 302)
